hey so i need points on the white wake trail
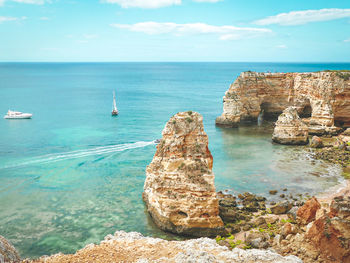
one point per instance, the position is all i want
(56, 157)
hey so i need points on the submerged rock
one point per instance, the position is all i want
(7, 252)
(179, 190)
(290, 129)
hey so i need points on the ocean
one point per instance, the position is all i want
(73, 173)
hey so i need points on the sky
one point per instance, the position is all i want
(174, 30)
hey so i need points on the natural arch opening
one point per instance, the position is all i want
(306, 112)
(269, 112)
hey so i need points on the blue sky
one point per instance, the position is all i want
(175, 30)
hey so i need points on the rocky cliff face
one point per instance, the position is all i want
(179, 189)
(322, 96)
(290, 129)
(7, 252)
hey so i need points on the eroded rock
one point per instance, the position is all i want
(290, 129)
(179, 190)
(8, 253)
(322, 97)
(307, 212)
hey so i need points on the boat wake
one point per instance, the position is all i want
(103, 150)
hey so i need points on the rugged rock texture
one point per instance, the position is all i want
(325, 238)
(307, 212)
(316, 142)
(7, 252)
(290, 129)
(133, 247)
(179, 189)
(331, 232)
(322, 96)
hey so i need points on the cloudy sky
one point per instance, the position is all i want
(175, 30)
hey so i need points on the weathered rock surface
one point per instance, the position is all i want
(290, 129)
(179, 190)
(307, 212)
(7, 252)
(324, 97)
(331, 232)
(316, 142)
(281, 208)
(133, 247)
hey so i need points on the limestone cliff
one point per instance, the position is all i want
(290, 129)
(179, 189)
(322, 96)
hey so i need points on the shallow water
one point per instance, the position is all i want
(73, 173)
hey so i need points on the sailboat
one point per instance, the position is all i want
(115, 110)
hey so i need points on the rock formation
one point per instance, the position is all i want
(179, 189)
(330, 233)
(290, 129)
(324, 97)
(133, 247)
(7, 252)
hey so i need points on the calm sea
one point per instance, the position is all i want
(73, 173)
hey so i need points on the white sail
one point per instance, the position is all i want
(114, 102)
(115, 110)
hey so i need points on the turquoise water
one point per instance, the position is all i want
(73, 173)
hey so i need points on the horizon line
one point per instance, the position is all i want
(307, 62)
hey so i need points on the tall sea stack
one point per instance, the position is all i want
(179, 190)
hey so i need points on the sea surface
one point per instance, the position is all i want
(73, 173)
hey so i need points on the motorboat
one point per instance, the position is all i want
(115, 110)
(17, 115)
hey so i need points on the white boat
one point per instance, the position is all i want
(115, 110)
(17, 115)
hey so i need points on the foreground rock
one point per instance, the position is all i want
(133, 247)
(325, 238)
(179, 189)
(324, 97)
(7, 252)
(290, 129)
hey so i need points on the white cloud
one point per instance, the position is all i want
(224, 32)
(281, 46)
(34, 2)
(207, 1)
(7, 18)
(304, 17)
(10, 18)
(347, 40)
(144, 3)
(90, 36)
(44, 18)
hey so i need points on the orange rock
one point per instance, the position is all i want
(307, 212)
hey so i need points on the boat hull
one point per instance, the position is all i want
(22, 116)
